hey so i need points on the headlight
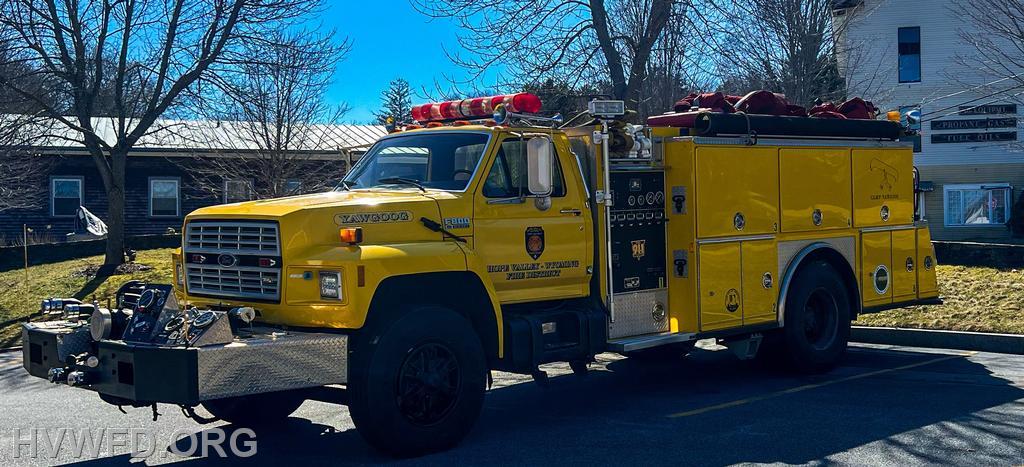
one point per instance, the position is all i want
(179, 274)
(330, 285)
(101, 324)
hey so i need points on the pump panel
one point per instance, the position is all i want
(638, 230)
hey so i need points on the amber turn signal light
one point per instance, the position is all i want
(351, 235)
(893, 116)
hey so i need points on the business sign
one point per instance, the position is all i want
(974, 124)
(992, 109)
(974, 137)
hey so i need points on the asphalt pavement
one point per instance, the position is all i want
(883, 406)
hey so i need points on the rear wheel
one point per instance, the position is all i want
(419, 386)
(257, 409)
(817, 326)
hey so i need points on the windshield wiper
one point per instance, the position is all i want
(347, 184)
(403, 181)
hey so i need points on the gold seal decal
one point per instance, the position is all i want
(372, 217)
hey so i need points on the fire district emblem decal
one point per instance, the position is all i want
(639, 248)
(534, 242)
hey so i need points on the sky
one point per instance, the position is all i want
(390, 39)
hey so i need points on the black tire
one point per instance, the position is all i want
(817, 327)
(431, 355)
(663, 352)
(256, 410)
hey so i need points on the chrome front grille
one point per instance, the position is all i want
(232, 237)
(256, 283)
(227, 259)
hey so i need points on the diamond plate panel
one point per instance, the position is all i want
(72, 338)
(635, 316)
(260, 365)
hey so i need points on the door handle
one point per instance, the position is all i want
(571, 211)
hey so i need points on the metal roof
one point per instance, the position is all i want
(211, 135)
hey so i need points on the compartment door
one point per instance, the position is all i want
(927, 285)
(721, 305)
(904, 265)
(815, 189)
(876, 268)
(737, 191)
(883, 187)
(760, 271)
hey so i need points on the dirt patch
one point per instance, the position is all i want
(127, 268)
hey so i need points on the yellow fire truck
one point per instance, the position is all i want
(464, 247)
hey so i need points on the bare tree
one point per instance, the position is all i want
(275, 131)
(23, 171)
(148, 52)
(396, 102)
(533, 40)
(786, 46)
(998, 51)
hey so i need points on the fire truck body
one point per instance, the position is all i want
(455, 250)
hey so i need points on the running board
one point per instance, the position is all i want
(630, 344)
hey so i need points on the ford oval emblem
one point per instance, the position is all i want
(227, 261)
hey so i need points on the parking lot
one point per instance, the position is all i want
(884, 405)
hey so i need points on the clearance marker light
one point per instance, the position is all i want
(477, 108)
(351, 235)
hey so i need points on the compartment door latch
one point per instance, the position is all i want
(679, 200)
(681, 263)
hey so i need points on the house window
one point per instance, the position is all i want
(910, 55)
(164, 197)
(977, 205)
(65, 196)
(237, 190)
(292, 186)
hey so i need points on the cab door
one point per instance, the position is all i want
(533, 252)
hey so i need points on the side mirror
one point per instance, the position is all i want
(540, 163)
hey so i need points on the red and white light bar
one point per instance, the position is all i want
(475, 108)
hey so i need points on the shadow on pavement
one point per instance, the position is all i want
(709, 409)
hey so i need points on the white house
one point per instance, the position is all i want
(910, 54)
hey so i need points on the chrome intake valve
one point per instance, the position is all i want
(78, 378)
(56, 375)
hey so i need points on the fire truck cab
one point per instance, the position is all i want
(456, 249)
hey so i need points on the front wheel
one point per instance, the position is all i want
(419, 387)
(256, 410)
(817, 327)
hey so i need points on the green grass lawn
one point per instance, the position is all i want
(976, 299)
(19, 300)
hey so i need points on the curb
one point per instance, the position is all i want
(958, 340)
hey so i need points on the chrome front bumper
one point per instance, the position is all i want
(267, 361)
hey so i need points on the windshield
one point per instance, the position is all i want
(443, 161)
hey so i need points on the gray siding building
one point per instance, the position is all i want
(910, 54)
